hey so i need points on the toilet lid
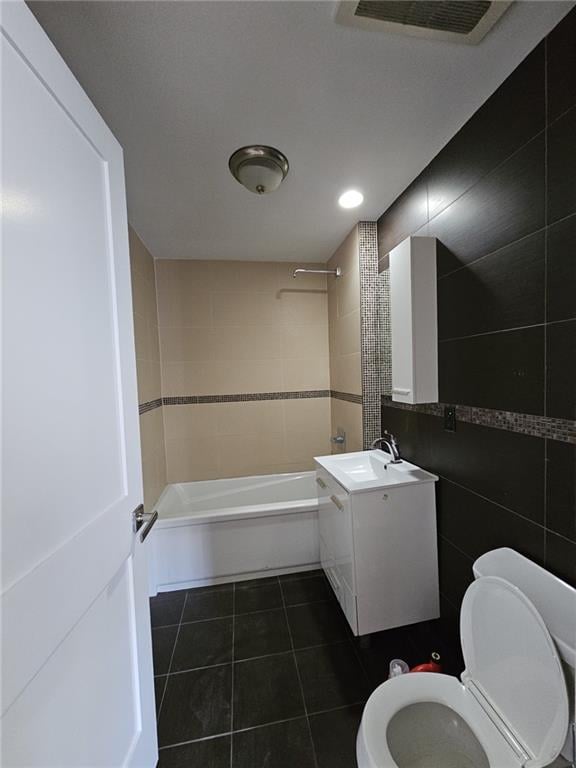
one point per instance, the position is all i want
(512, 662)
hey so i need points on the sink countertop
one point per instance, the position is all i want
(371, 471)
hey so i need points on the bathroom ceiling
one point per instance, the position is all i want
(184, 84)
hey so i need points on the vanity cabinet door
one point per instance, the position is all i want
(336, 544)
(341, 535)
(396, 557)
(324, 513)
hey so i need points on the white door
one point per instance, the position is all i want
(77, 681)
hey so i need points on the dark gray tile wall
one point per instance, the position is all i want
(501, 199)
(496, 488)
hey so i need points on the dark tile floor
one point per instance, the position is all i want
(266, 673)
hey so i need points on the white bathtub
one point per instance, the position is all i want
(214, 531)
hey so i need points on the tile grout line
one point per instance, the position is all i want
(545, 537)
(546, 130)
(508, 329)
(260, 725)
(550, 123)
(508, 509)
(172, 657)
(232, 673)
(495, 252)
(315, 758)
(359, 660)
(439, 211)
(247, 613)
(457, 548)
(250, 658)
(545, 404)
(498, 331)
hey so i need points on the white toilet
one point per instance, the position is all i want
(512, 708)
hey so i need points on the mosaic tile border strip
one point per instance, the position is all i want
(249, 398)
(245, 397)
(374, 334)
(149, 406)
(563, 430)
(347, 396)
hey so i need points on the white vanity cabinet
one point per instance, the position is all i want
(378, 549)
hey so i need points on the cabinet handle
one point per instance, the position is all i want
(321, 482)
(400, 391)
(337, 501)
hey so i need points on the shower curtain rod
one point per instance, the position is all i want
(336, 272)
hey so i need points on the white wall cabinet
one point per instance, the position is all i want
(379, 552)
(413, 320)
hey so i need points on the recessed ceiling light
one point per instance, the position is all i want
(351, 199)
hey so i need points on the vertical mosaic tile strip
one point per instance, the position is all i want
(562, 430)
(374, 339)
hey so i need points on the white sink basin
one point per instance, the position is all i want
(371, 470)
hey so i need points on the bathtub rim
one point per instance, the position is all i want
(248, 512)
(245, 512)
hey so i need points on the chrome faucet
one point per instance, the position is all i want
(391, 446)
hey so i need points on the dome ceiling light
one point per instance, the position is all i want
(259, 168)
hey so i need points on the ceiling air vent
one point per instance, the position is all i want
(461, 21)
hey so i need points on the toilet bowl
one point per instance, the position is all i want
(510, 708)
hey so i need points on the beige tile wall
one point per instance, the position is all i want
(347, 417)
(148, 369)
(236, 328)
(344, 341)
(232, 439)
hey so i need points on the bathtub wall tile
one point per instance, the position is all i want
(346, 417)
(344, 318)
(312, 415)
(242, 328)
(153, 456)
(145, 313)
(214, 440)
(301, 446)
(248, 418)
(185, 421)
(246, 328)
(223, 328)
(192, 458)
(300, 374)
(304, 342)
(344, 343)
(241, 456)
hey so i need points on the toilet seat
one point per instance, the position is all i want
(399, 692)
(512, 696)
